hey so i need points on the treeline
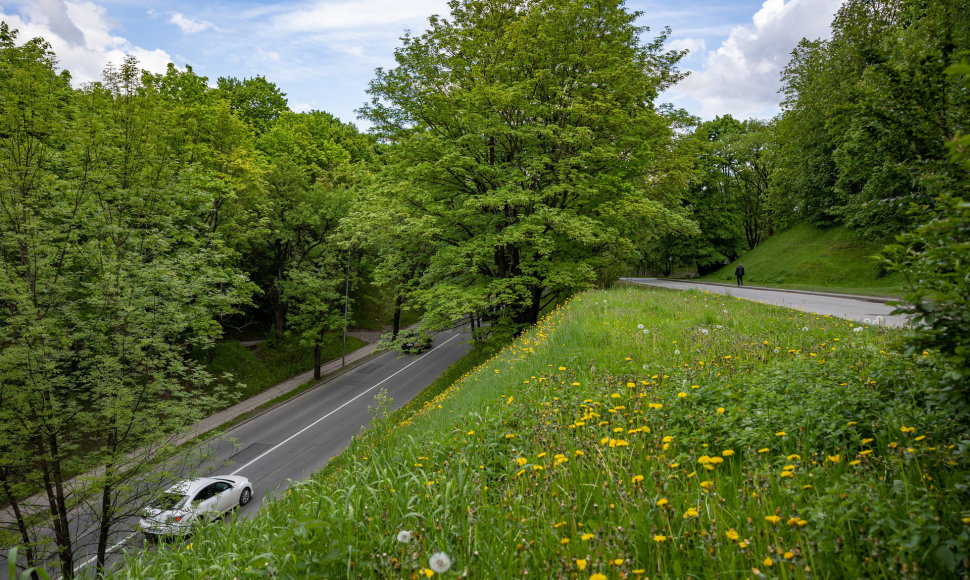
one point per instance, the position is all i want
(862, 140)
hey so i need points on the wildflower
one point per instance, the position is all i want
(793, 521)
(659, 538)
(865, 452)
(617, 562)
(786, 473)
(564, 541)
(655, 406)
(920, 438)
(667, 438)
(520, 461)
(727, 452)
(834, 458)
(772, 519)
(767, 562)
(708, 485)
(662, 502)
(788, 555)
(732, 535)
(720, 410)
(763, 450)
(640, 326)
(581, 564)
(855, 462)
(426, 572)
(637, 479)
(598, 576)
(793, 457)
(690, 513)
(470, 433)
(682, 395)
(858, 329)
(676, 351)
(867, 440)
(780, 434)
(562, 368)
(579, 453)
(439, 562)
(587, 536)
(404, 536)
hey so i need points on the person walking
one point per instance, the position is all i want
(739, 273)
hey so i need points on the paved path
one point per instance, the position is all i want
(851, 307)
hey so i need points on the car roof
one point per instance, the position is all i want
(191, 486)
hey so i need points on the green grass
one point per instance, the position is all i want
(807, 258)
(272, 362)
(635, 433)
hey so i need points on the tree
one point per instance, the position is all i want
(256, 101)
(108, 275)
(523, 129)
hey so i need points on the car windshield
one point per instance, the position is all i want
(167, 501)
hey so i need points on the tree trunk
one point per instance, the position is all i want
(398, 302)
(317, 356)
(19, 516)
(104, 525)
(54, 486)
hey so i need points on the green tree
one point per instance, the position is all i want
(108, 275)
(524, 129)
(256, 101)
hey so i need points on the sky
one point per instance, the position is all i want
(323, 53)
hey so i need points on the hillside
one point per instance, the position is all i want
(633, 433)
(807, 258)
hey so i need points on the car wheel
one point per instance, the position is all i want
(245, 496)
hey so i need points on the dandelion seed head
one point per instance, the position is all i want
(404, 536)
(439, 562)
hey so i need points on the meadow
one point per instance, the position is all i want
(634, 433)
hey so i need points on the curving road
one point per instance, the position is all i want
(295, 439)
(858, 308)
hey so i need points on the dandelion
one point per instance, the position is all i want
(668, 438)
(404, 536)
(426, 572)
(562, 368)
(720, 410)
(858, 329)
(439, 562)
(564, 541)
(660, 538)
(708, 485)
(690, 513)
(788, 555)
(655, 406)
(598, 576)
(767, 562)
(727, 452)
(637, 479)
(682, 395)
(780, 434)
(581, 564)
(764, 450)
(794, 457)
(834, 458)
(676, 351)
(855, 462)
(705, 331)
(587, 536)
(662, 502)
(618, 562)
(520, 461)
(772, 519)
(732, 535)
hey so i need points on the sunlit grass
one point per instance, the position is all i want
(636, 433)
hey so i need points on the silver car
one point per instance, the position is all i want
(194, 500)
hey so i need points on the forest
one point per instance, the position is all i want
(515, 158)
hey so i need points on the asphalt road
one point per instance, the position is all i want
(858, 308)
(295, 439)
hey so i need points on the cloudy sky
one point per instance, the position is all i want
(322, 53)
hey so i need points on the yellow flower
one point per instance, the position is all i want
(772, 519)
(682, 395)
(639, 571)
(631, 384)
(564, 541)
(865, 452)
(727, 452)
(920, 438)
(834, 458)
(520, 461)
(587, 536)
(708, 485)
(905, 429)
(659, 538)
(581, 564)
(598, 576)
(618, 562)
(637, 479)
(855, 462)
(767, 562)
(742, 544)
(667, 439)
(732, 535)
(579, 453)
(965, 520)
(867, 440)
(786, 473)
(788, 555)
(720, 410)
(428, 572)
(764, 450)
(690, 513)
(576, 384)
(562, 368)
(655, 406)
(793, 457)
(675, 465)
(662, 502)
(780, 434)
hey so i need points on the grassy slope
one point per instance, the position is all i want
(723, 439)
(807, 258)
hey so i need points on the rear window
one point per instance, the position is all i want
(168, 501)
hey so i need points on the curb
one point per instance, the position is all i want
(864, 298)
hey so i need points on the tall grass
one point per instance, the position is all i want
(635, 433)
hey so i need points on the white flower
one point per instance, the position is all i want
(705, 331)
(646, 366)
(804, 329)
(858, 329)
(676, 352)
(866, 321)
(640, 326)
(439, 562)
(724, 311)
(404, 536)
(880, 320)
(777, 350)
(646, 331)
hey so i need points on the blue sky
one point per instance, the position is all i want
(322, 53)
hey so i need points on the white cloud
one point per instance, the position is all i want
(741, 77)
(327, 15)
(693, 45)
(189, 25)
(81, 35)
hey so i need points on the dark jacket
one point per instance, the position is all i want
(739, 271)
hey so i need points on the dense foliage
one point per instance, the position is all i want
(523, 134)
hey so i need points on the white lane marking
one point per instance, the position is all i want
(280, 444)
(111, 549)
(361, 394)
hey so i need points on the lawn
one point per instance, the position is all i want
(635, 433)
